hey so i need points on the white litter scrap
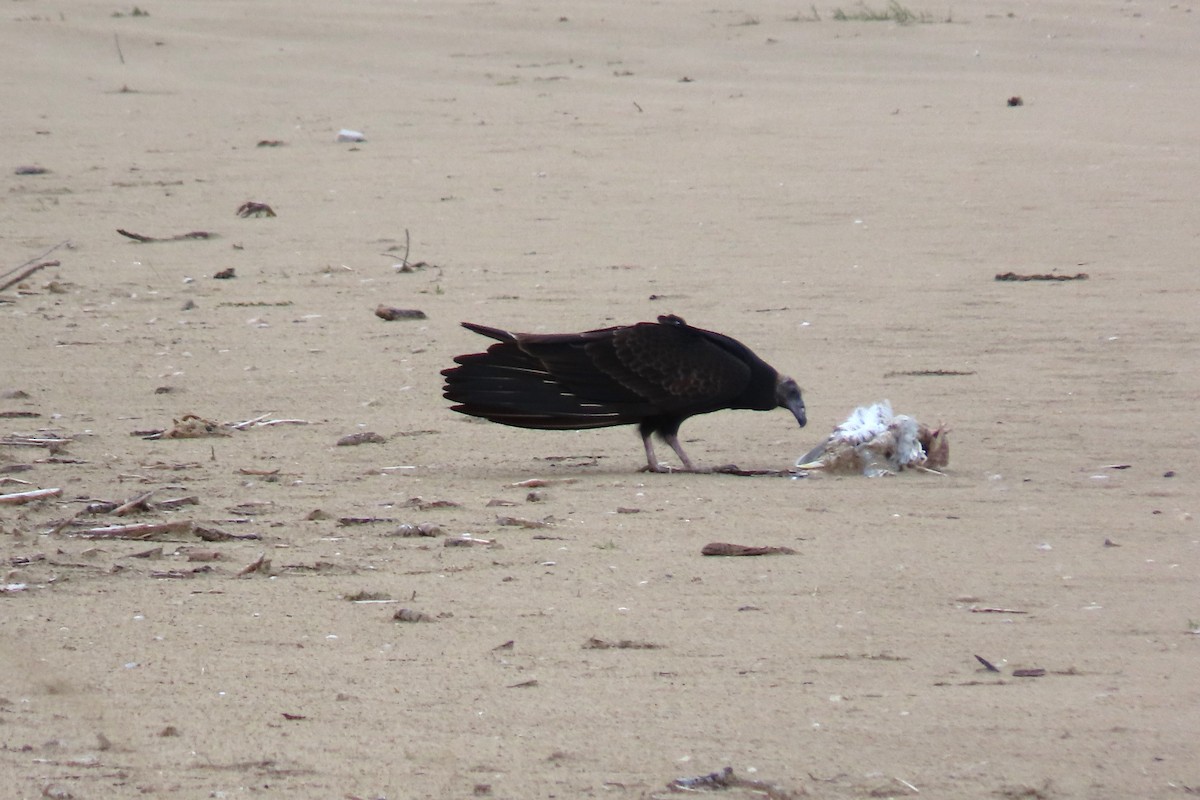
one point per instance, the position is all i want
(873, 442)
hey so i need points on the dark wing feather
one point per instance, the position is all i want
(549, 383)
(675, 367)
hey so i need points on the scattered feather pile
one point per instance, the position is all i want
(873, 441)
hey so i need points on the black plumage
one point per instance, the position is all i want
(652, 374)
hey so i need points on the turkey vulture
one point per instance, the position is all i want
(653, 374)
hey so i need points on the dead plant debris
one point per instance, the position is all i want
(726, 779)
(726, 549)
(624, 644)
(182, 237)
(252, 209)
(390, 314)
(411, 615)
(1046, 276)
(521, 522)
(363, 437)
(422, 504)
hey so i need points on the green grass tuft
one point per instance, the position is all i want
(893, 12)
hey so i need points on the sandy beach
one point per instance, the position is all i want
(454, 608)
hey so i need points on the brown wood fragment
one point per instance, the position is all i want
(726, 549)
(978, 610)
(524, 684)
(172, 503)
(1013, 276)
(1036, 672)
(734, 469)
(172, 573)
(348, 521)
(182, 573)
(216, 535)
(989, 666)
(390, 314)
(137, 237)
(261, 565)
(137, 531)
(521, 522)
(26, 273)
(252, 507)
(152, 553)
(421, 504)
(624, 644)
(136, 504)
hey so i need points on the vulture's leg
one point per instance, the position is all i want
(652, 464)
(673, 440)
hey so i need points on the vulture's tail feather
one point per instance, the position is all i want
(508, 386)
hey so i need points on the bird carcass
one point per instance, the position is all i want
(873, 441)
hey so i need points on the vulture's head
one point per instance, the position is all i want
(787, 395)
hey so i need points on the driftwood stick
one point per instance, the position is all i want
(177, 502)
(19, 498)
(35, 441)
(250, 423)
(27, 273)
(138, 237)
(136, 504)
(137, 531)
(40, 257)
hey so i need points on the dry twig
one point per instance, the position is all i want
(20, 498)
(139, 531)
(181, 237)
(37, 258)
(726, 549)
(27, 272)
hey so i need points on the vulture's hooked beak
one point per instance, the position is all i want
(787, 394)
